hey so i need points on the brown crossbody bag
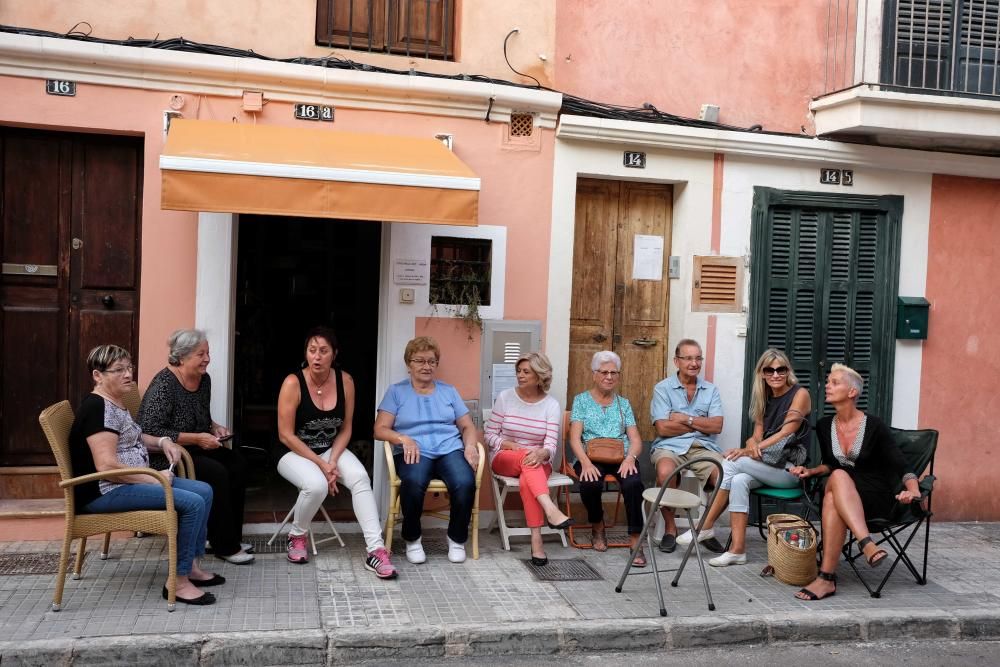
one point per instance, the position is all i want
(608, 450)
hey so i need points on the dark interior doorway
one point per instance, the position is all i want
(293, 274)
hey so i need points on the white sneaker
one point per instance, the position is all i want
(456, 552)
(684, 539)
(415, 552)
(728, 558)
(238, 558)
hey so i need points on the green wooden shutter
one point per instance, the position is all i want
(824, 276)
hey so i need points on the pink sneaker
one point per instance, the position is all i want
(379, 563)
(297, 549)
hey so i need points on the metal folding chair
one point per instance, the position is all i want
(676, 499)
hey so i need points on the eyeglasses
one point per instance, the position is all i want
(120, 370)
(416, 361)
(609, 374)
(696, 360)
(780, 370)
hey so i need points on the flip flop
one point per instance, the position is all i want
(599, 540)
(639, 560)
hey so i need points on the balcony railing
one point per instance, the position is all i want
(941, 47)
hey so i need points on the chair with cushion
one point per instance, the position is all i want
(56, 421)
(436, 486)
(502, 485)
(906, 521)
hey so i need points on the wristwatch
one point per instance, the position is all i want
(690, 421)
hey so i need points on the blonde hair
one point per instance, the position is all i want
(761, 391)
(541, 366)
(421, 344)
(853, 378)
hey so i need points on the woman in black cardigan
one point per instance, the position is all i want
(865, 468)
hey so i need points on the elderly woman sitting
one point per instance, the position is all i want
(865, 468)
(434, 438)
(104, 437)
(177, 405)
(522, 433)
(600, 412)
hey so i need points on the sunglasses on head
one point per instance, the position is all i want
(780, 370)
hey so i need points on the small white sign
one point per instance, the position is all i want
(504, 377)
(411, 272)
(647, 257)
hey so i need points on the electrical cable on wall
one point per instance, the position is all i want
(571, 104)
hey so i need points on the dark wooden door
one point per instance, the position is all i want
(610, 309)
(69, 243)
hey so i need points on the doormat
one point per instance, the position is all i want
(20, 564)
(280, 544)
(433, 546)
(564, 569)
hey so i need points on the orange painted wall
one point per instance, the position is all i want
(679, 54)
(961, 360)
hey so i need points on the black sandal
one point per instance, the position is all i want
(876, 558)
(812, 597)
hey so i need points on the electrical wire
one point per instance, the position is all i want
(527, 76)
(571, 103)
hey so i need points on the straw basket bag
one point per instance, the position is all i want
(790, 563)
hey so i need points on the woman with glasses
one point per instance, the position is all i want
(315, 414)
(433, 437)
(105, 438)
(779, 407)
(600, 412)
(522, 433)
(177, 405)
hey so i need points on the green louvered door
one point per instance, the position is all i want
(824, 276)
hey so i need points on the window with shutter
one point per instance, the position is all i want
(421, 28)
(718, 284)
(942, 45)
(824, 274)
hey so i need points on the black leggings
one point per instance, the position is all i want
(225, 470)
(631, 486)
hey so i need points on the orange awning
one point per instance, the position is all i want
(265, 169)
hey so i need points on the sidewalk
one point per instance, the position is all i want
(332, 610)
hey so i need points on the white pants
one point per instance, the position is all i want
(313, 490)
(744, 474)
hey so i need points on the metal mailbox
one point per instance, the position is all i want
(911, 317)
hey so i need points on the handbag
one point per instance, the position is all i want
(607, 450)
(791, 549)
(789, 449)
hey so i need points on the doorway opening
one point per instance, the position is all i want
(293, 274)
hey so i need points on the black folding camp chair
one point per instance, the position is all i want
(905, 522)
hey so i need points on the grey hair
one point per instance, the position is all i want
(182, 343)
(103, 356)
(852, 376)
(603, 357)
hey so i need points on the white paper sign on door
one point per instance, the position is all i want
(647, 257)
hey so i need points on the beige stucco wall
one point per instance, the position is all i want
(287, 29)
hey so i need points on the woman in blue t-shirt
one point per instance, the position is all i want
(433, 437)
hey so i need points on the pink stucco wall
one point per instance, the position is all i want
(759, 61)
(958, 395)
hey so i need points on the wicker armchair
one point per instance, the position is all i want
(56, 421)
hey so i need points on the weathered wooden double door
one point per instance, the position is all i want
(611, 309)
(70, 209)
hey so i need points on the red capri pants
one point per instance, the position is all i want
(534, 482)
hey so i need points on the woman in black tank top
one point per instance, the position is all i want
(315, 409)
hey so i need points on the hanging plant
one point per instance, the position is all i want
(459, 286)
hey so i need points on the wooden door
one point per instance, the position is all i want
(609, 309)
(56, 188)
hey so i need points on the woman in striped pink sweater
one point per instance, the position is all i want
(522, 433)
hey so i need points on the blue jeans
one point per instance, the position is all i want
(457, 475)
(192, 501)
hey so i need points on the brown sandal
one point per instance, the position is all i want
(877, 557)
(598, 539)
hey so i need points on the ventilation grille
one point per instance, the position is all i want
(521, 124)
(717, 284)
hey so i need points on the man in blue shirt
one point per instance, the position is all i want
(687, 416)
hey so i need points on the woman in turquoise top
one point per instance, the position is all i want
(433, 437)
(601, 413)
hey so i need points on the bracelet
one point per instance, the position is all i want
(159, 443)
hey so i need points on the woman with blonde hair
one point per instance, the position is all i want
(866, 468)
(522, 433)
(779, 407)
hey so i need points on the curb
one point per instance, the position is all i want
(346, 645)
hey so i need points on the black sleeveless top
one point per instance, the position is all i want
(317, 428)
(775, 413)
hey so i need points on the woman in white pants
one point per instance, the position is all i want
(315, 409)
(779, 407)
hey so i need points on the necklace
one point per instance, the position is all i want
(319, 387)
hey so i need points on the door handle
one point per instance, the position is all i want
(108, 301)
(599, 337)
(644, 342)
